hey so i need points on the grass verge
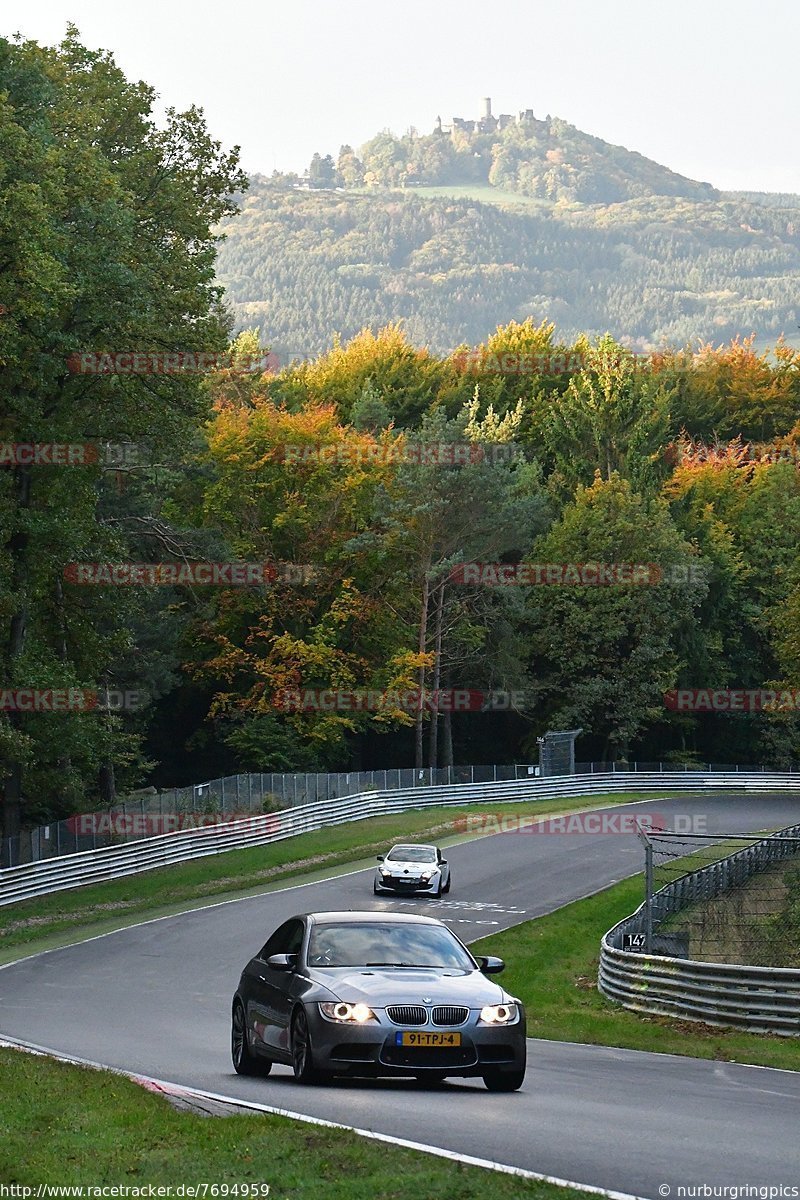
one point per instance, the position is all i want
(552, 967)
(67, 1125)
(64, 917)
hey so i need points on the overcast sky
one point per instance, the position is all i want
(706, 87)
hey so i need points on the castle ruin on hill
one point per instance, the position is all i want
(486, 123)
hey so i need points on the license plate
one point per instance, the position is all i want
(427, 1039)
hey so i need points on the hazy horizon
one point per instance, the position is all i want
(706, 90)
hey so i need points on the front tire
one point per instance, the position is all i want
(244, 1062)
(504, 1081)
(302, 1051)
(449, 881)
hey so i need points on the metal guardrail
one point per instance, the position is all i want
(149, 813)
(113, 862)
(758, 999)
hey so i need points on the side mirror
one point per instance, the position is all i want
(282, 962)
(491, 965)
(442, 862)
(380, 857)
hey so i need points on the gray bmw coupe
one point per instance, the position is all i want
(369, 993)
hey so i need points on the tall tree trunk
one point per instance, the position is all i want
(433, 747)
(423, 642)
(107, 784)
(17, 546)
(447, 739)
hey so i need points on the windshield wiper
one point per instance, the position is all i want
(395, 964)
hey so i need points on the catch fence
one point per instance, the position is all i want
(717, 938)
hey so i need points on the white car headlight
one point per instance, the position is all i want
(498, 1014)
(427, 876)
(356, 1014)
(384, 872)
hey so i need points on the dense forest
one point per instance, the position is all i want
(363, 482)
(303, 265)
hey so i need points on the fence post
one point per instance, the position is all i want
(648, 887)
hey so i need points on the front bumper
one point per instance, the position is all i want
(371, 1049)
(399, 885)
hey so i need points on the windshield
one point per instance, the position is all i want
(421, 854)
(386, 944)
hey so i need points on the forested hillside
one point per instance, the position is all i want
(548, 159)
(543, 521)
(303, 265)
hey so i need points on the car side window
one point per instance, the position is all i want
(287, 939)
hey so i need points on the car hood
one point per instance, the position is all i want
(413, 868)
(378, 987)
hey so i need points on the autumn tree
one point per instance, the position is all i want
(106, 234)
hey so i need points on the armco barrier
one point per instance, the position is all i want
(758, 999)
(113, 862)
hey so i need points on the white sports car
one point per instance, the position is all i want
(412, 870)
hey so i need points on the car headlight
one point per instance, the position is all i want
(384, 872)
(426, 876)
(498, 1014)
(356, 1014)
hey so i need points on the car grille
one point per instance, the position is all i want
(433, 1056)
(407, 1014)
(448, 1014)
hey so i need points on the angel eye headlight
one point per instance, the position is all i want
(498, 1014)
(356, 1014)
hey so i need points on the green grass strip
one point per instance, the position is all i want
(552, 967)
(66, 1125)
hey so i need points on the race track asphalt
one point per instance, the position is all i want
(155, 999)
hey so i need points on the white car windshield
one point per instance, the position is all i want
(420, 854)
(381, 944)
